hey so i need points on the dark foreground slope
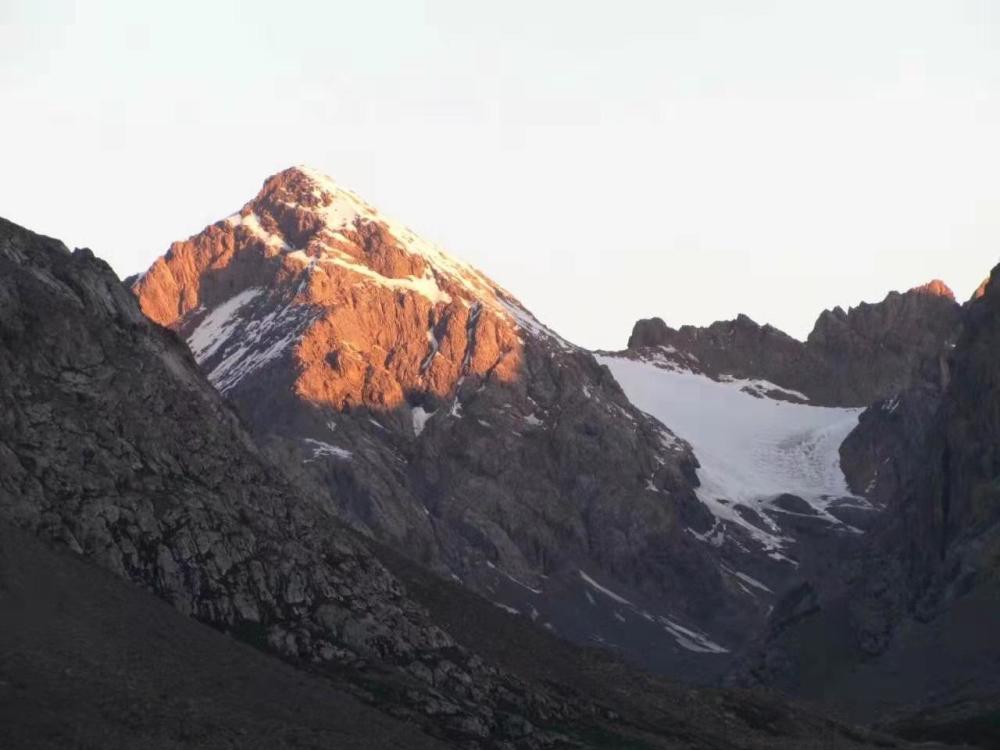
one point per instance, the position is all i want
(114, 447)
(89, 661)
(652, 707)
(908, 637)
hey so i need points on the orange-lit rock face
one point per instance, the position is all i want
(981, 289)
(935, 288)
(372, 349)
(361, 310)
(170, 288)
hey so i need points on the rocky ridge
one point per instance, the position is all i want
(850, 358)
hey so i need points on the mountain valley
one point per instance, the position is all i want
(389, 486)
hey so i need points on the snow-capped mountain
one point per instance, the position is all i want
(335, 261)
(425, 405)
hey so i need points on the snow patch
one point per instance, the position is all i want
(234, 344)
(691, 640)
(216, 327)
(260, 342)
(750, 449)
(528, 322)
(325, 449)
(425, 285)
(251, 223)
(606, 591)
(420, 416)
(684, 637)
(749, 580)
(511, 578)
(433, 346)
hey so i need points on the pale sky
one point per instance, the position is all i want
(604, 161)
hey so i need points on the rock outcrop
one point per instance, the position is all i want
(887, 446)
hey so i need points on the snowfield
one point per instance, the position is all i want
(750, 448)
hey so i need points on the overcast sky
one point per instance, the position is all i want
(604, 161)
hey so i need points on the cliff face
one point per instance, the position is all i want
(953, 509)
(878, 350)
(910, 624)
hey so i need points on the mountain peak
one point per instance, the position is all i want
(303, 220)
(309, 186)
(935, 288)
(307, 262)
(322, 180)
(309, 217)
(307, 200)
